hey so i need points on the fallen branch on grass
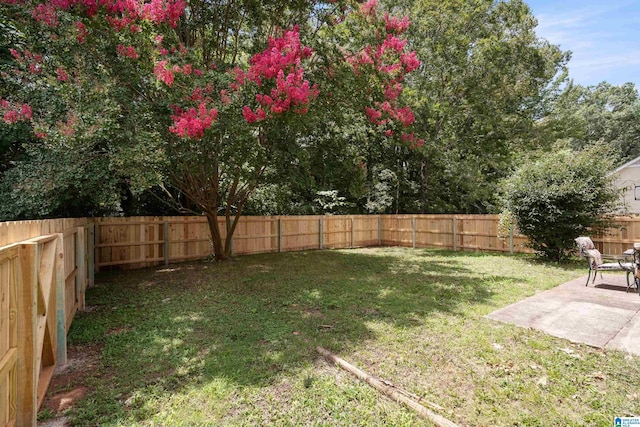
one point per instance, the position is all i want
(393, 392)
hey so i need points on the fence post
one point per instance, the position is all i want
(511, 239)
(91, 252)
(413, 231)
(96, 248)
(321, 232)
(279, 234)
(352, 233)
(166, 242)
(455, 233)
(61, 315)
(379, 230)
(27, 371)
(81, 277)
(143, 239)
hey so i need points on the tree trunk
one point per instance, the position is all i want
(219, 247)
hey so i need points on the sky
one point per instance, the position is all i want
(603, 35)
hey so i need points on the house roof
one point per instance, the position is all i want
(626, 165)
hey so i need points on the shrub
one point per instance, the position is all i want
(561, 196)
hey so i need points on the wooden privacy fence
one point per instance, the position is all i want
(144, 241)
(46, 266)
(42, 285)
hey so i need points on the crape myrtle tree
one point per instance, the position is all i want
(206, 94)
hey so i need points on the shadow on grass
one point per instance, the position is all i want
(248, 321)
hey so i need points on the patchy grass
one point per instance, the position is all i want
(234, 344)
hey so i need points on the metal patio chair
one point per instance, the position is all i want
(595, 261)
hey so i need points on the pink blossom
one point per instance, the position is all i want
(16, 55)
(410, 61)
(224, 97)
(11, 117)
(119, 24)
(249, 115)
(194, 122)
(405, 116)
(62, 74)
(163, 74)
(197, 94)
(35, 68)
(163, 11)
(279, 67)
(392, 91)
(82, 32)
(413, 141)
(369, 8)
(128, 51)
(395, 25)
(15, 113)
(239, 74)
(373, 115)
(47, 14)
(393, 43)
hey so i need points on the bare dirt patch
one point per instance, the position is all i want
(69, 383)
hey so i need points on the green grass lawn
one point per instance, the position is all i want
(234, 344)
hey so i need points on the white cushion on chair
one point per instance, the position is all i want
(595, 257)
(609, 266)
(585, 243)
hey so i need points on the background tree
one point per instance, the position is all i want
(475, 96)
(603, 114)
(561, 195)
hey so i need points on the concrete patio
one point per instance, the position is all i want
(602, 315)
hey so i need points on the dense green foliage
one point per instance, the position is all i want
(483, 76)
(485, 95)
(596, 115)
(560, 196)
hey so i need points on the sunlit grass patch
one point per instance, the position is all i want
(234, 343)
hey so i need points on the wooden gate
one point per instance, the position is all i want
(41, 321)
(9, 278)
